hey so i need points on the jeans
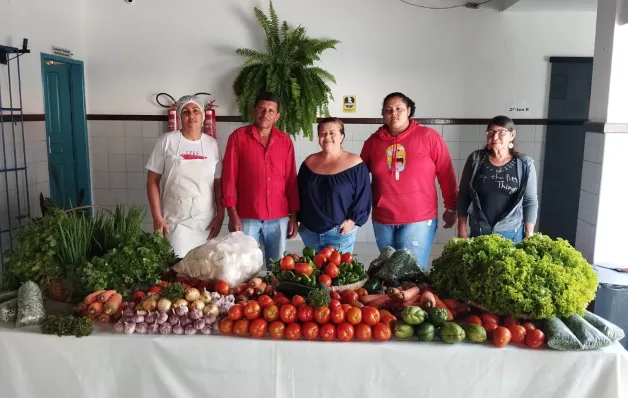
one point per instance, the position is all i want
(274, 234)
(333, 237)
(416, 237)
(515, 235)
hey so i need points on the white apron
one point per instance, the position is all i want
(188, 200)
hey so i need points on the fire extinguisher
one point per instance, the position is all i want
(173, 120)
(209, 126)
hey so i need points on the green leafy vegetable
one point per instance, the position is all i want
(318, 298)
(540, 277)
(67, 325)
(173, 292)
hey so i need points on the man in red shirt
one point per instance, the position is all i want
(259, 180)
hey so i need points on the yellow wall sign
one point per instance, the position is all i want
(348, 104)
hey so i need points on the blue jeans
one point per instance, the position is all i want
(417, 237)
(273, 232)
(333, 237)
(515, 235)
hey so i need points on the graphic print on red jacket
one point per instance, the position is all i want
(404, 169)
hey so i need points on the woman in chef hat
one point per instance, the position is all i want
(188, 207)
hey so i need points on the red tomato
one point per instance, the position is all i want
(335, 296)
(271, 313)
(337, 315)
(193, 282)
(345, 331)
(334, 303)
(287, 313)
(298, 301)
(322, 315)
(222, 287)
(349, 296)
(310, 330)
(529, 326)
(487, 317)
(501, 337)
(287, 263)
(236, 312)
(370, 316)
(204, 285)
(328, 332)
(346, 258)
(490, 327)
(335, 258)
(517, 333)
(241, 327)
(258, 328)
(474, 319)
(346, 307)
(296, 257)
(535, 338)
(163, 284)
(363, 332)
(332, 270)
(252, 310)
(382, 332)
(387, 318)
(226, 326)
(303, 269)
(361, 292)
(319, 261)
(138, 296)
(508, 321)
(279, 301)
(154, 290)
(326, 252)
(293, 331)
(276, 330)
(325, 280)
(354, 316)
(305, 313)
(264, 301)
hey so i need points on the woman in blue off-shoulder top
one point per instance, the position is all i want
(334, 192)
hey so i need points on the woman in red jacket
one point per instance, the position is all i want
(405, 159)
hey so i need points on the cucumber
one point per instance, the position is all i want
(559, 337)
(290, 289)
(609, 329)
(589, 336)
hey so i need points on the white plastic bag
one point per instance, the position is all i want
(235, 258)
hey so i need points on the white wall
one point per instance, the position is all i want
(456, 63)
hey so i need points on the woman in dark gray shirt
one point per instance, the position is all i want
(497, 192)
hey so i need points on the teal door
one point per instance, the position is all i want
(60, 134)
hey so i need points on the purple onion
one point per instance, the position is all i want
(189, 329)
(128, 312)
(129, 327)
(141, 328)
(161, 318)
(178, 329)
(207, 329)
(199, 324)
(195, 314)
(119, 326)
(185, 320)
(153, 328)
(151, 317)
(209, 319)
(174, 319)
(166, 328)
(138, 319)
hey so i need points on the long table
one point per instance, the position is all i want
(107, 364)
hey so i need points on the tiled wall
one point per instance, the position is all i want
(119, 151)
(30, 152)
(589, 194)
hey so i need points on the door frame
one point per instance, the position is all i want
(79, 121)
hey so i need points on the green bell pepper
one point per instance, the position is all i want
(309, 252)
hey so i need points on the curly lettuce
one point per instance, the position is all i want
(539, 277)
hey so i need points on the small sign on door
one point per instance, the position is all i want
(62, 52)
(348, 104)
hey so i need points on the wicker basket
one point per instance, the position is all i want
(353, 286)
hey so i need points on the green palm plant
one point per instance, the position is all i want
(287, 69)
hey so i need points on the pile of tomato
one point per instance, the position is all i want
(509, 330)
(282, 318)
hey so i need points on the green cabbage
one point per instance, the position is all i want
(539, 277)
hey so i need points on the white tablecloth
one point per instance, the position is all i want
(113, 365)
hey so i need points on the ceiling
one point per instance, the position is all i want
(551, 5)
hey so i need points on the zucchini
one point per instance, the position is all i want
(608, 328)
(559, 337)
(589, 337)
(290, 289)
(7, 295)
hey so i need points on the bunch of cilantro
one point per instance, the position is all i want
(539, 277)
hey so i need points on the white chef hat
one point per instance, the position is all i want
(189, 99)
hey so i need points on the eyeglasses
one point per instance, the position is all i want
(501, 133)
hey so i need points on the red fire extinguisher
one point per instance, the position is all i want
(209, 126)
(173, 120)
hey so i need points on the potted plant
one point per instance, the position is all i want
(287, 69)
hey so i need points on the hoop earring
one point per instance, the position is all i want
(511, 145)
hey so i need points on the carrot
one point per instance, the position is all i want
(428, 300)
(366, 300)
(270, 290)
(356, 303)
(255, 282)
(410, 293)
(240, 289)
(249, 292)
(104, 296)
(112, 305)
(415, 301)
(94, 309)
(103, 318)
(261, 288)
(450, 303)
(381, 302)
(92, 296)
